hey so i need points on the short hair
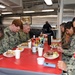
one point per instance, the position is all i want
(73, 19)
(68, 25)
(18, 22)
(63, 24)
(26, 24)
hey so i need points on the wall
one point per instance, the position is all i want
(36, 21)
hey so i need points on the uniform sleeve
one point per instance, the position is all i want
(1, 48)
(5, 42)
(70, 51)
(71, 67)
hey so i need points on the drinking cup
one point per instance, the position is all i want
(17, 54)
(40, 51)
(40, 60)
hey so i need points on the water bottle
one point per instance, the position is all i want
(49, 39)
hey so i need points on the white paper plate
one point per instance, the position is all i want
(50, 56)
(22, 46)
(20, 49)
(11, 55)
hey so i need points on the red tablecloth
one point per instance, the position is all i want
(28, 61)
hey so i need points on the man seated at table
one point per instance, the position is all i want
(24, 34)
(11, 38)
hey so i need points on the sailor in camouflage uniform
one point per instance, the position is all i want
(67, 53)
(65, 38)
(11, 38)
(70, 67)
(24, 34)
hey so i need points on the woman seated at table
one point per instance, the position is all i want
(24, 34)
(11, 38)
(67, 53)
(65, 38)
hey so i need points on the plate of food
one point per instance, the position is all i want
(20, 48)
(9, 53)
(54, 45)
(51, 55)
(23, 45)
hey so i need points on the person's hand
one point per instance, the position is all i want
(45, 35)
(62, 65)
(60, 49)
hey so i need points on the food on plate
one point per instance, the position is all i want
(20, 48)
(10, 52)
(24, 44)
(55, 54)
(55, 45)
(51, 54)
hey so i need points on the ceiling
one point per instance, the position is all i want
(18, 6)
(38, 4)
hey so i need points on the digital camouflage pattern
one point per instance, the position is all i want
(10, 40)
(1, 48)
(67, 54)
(23, 36)
(65, 44)
(70, 67)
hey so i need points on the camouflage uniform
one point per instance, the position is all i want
(64, 43)
(1, 50)
(10, 40)
(70, 67)
(67, 54)
(23, 36)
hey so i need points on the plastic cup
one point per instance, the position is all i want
(40, 60)
(40, 51)
(17, 54)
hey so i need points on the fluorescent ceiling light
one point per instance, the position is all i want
(47, 10)
(28, 11)
(2, 6)
(45, 16)
(6, 12)
(48, 2)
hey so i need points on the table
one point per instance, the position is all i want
(27, 64)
